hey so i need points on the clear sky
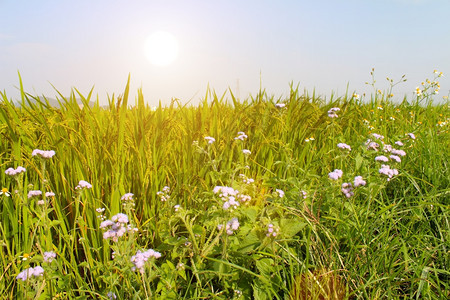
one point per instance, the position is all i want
(321, 44)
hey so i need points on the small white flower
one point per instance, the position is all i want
(395, 157)
(32, 194)
(210, 139)
(14, 172)
(49, 256)
(336, 174)
(43, 153)
(246, 152)
(359, 181)
(381, 158)
(82, 184)
(280, 105)
(241, 136)
(344, 146)
(280, 193)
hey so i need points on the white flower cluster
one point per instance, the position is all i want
(116, 227)
(83, 185)
(344, 146)
(304, 194)
(49, 256)
(43, 153)
(272, 231)
(164, 194)
(386, 170)
(359, 181)
(347, 189)
(231, 226)
(27, 273)
(14, 172)
(280, 193)
(241, 136)
(332, 112)
(336, 174)
(245, 179)
(230, 196)
(127, 197)
(141, 258)
(210, 139)
(36, 193)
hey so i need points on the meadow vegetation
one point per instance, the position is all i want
(263, 198)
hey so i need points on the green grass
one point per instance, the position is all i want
(391, 240)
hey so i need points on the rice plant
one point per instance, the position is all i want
(264, 198)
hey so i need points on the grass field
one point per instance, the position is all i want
(263, 198)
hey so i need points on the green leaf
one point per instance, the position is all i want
(291, 226)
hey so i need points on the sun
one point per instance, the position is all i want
(161, 48)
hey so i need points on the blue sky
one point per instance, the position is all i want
(321, 45)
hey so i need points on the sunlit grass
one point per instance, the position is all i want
(295, 233)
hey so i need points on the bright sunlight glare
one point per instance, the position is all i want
(161, 48)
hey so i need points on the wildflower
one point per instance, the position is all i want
(280, 193)
(228, 195)
(399, 143)
(49, 256)
(32, 194)
(244, 198)
(49, 194)
(210, 139)
(83, 185)
(372, 145)
(280, 105)
(395, 157)
(164, 194)
(127, 197)
(356, 96)
(303, 194)
(41, 202)
(332, 112)
(309, 139)
(14, 172)
(386, 170)
(271, 231)
(336, 174)
(42, 153)
(26, 256)
(232, 226)
(379, 107)
(245, 179)
(347, 189)
(381, 158)
(377, 136)
(398, 152)
(344, 146)
(246, 152)
(111, 295)
(412, 136)
(241, 136)
(359, 181)
(141, 258)
(117, 227)
(387, 148)
(176, 207)
(27, 273)
(418, 91)
(5, 192)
